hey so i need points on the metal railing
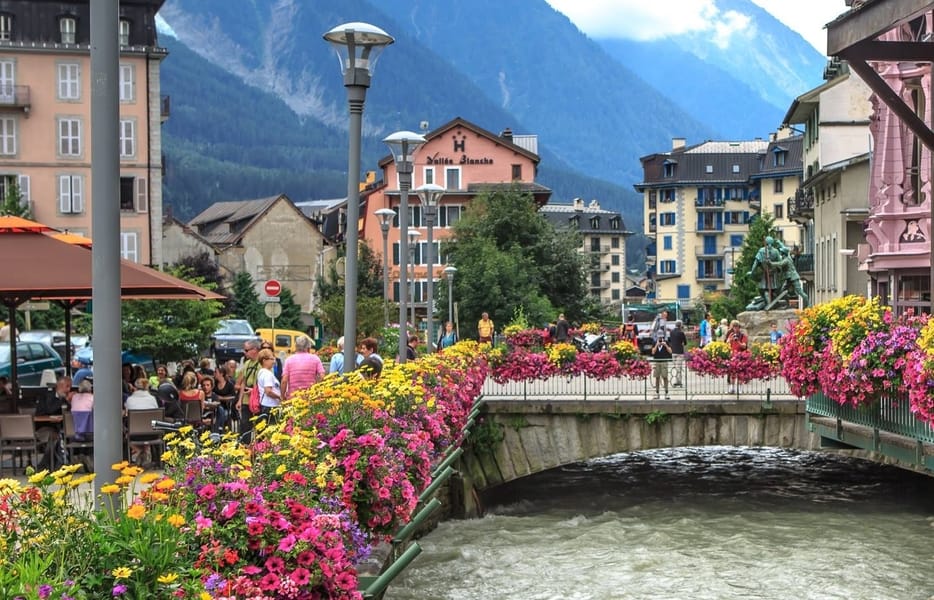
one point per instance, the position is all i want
(14, 95)
(889, 415)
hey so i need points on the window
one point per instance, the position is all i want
(668, 266)
(595, 223)
(124, 32)
(669, 195)
(666, 219)
(736, 217)
(69, 137)
(13, 183)
(127, 84)
(448, 215)
(614, 294)
(595, 280)
(736, 240)
(129, 245)
(7, 136)
(452, 178)
(667, 242)
(428, 175)
(6, 28)
(614, 242)
(69, 81)
(708, 169)
(778, 186)
(684, 292)
(614, 277)
(653, 196)
(778, 211)
(70, 194)
(127, 138)
(66, 26)
(736, 168)
(614, 260)
(516, 172)
(595, 244)
(134, 194)
(669, 169)
(415, 217)
(779, 158)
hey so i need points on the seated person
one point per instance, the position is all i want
(167, 397)
(6, 388)
(372, 364)
(82, 407)
(141, 399)
(190, 392)
(216, 414)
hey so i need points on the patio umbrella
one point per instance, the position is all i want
(40, 267)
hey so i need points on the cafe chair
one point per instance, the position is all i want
(49, 378)
(18, 438)
(79, 439)
(140, 432)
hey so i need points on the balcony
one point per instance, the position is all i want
(701, 251)
(801, 206)
(804, 264)
(15, 97)
(165, 108)
(709, 276)
(709, 226)
(704, 205)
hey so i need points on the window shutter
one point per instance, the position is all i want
(64, 194)
(395, 253)
(142, 198)
(23, 183)
(77, 194)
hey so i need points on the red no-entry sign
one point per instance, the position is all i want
(272, 287)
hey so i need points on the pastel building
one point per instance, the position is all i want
(45, 118)
(466, 160)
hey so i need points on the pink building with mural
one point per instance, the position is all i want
(897, 252)
(464, 159)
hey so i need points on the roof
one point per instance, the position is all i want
(793, 163)
(586, 219)
(714, 147)
(225, 223)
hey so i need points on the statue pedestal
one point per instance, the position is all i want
(758, 323)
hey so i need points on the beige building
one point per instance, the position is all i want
(832, 203)
(779, 176)
(45, 118)
(603, 243)
(268, 238)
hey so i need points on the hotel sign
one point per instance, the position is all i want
(459, 146)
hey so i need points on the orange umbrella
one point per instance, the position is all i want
(71, 238)
(11, 224)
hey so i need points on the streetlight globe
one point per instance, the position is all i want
(385, 215)
(358, 45)
(414, 234)
(449, 272)
(430, 194)
(403, 145)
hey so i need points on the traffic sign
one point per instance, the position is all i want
(272, 287)
(273, 310)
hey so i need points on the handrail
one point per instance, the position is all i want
(379, 585)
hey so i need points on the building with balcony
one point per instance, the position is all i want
(45, 118)
(780, 174)
(466, 160)
(603, 243)
(698, 202)
(831, 204)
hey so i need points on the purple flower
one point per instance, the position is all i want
(119, 590)
(45, 590)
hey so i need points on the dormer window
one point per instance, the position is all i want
(669, 168)
(124, 32)
(6, 28)
(779, 156)
(595, 223)
(614, 223)
(67, 27)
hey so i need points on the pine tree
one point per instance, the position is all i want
(13, 205)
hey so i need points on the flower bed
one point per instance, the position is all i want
(717, 360)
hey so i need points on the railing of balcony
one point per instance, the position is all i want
(709, 227)
(709, 276)
(165, 106)
(14, 95)
(704, 204)
(802, 203)
(804, 263)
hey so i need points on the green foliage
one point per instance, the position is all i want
(12, 204)
(508, 255)
(486, 435)
(744, 287)
(244, 300)
(369, 315)
(291, 317)
(369, 275)
(657, 417)
(202, 266)
(170, 330)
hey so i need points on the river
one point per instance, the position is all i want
(690, 523)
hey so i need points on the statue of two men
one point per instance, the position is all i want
(777, 271)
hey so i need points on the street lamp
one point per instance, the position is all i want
(449, 273)
(403, 145)
(413, 238)
(358, 45)
(430, 195)
(385, 220)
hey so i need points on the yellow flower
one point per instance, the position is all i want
(120, 466)
(38, 477)
(149, 477)
(9, 486)
(176, 520)
(167, 578)
(166, 484)
(136, 511)
(204, 596)
(131, 471)
(110, 489)
(121, 572)
(124, 480)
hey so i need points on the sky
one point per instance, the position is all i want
(645, 20)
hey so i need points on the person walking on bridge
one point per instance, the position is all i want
(677, 341)
(661, 356)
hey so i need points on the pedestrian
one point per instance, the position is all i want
(246, 379)
(372, 364)
(337, 359)
(661, 356)
(738, 343)
(706, 330)
(720, 333)
(774, 333)
(677, 341)
(301, 370)
(410, 353)
(660, 326)
(630, 331)
(562, 327)
(447, 337)
(485, 329)
(270, 392)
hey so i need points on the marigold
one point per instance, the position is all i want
(176, 520)
(136, 511)
(110, 489)
(121, 572)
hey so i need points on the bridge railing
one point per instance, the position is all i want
(693, 386)
(892, 415)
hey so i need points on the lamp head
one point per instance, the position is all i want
(385, 215)
(358, 45)
(449, 272)
(430, 194)
(403, 145)
(414, 234)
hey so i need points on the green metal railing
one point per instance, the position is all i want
(892, 415)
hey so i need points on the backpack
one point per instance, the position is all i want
(254, 398)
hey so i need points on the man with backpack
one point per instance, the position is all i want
(246, 379)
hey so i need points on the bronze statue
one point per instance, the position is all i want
(778, 274)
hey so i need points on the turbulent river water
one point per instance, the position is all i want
(690, 523)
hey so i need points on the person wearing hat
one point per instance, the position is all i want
(83, 370)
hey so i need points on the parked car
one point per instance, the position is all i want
(55, 339)
(227, 341)
(86, 354)
(31, 359)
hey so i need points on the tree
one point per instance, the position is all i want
(244, 301)
(369, 315)
(203, 266)
(507, 255)
(744, 288)
(369, 275)
(170, 330)
(12, 204)
(291, 317)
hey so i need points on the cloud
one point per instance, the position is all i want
(649, 20)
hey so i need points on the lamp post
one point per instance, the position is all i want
(358, 45)
(449, 273)
(385, 220)
(413, 239)
(403, 145)
(430, 195)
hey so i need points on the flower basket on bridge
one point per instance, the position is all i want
(716, 360)
(919, 374)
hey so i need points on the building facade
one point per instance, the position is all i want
(466, 160)
(698, 202)
(831, 203)
(45, 118)
(780, 174)
(603, 242)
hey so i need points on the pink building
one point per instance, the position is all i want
(464, 159)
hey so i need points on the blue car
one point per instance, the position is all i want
(32, 358)
(86, 355)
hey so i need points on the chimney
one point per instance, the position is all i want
(772, 137)
(507, 135)
(578, 204)
(678, 143)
